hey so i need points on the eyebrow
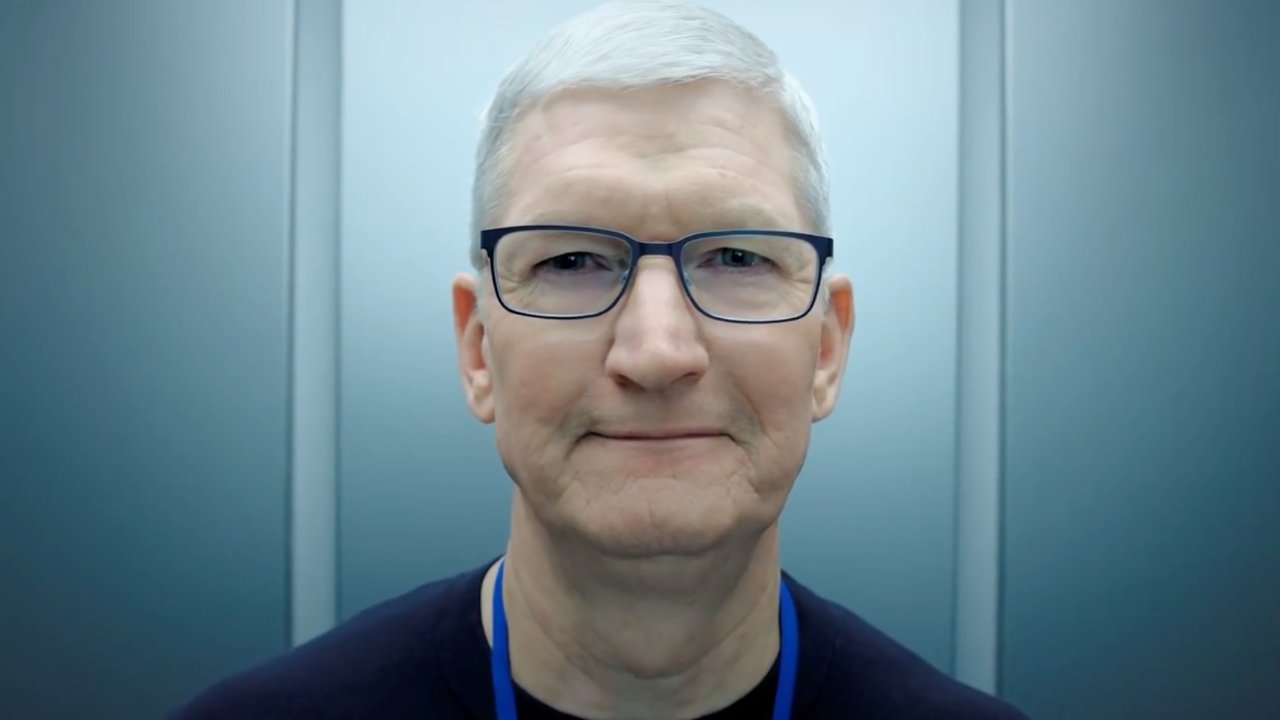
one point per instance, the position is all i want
(719, 217)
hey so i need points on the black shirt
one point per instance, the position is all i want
(423, 655)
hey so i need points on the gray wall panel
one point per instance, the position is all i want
(423, 495)
(1143, 458)
(142, 351)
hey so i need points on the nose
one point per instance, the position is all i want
(656, 339)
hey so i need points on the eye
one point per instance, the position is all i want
(568, 261)
(735, 257)
(574, 262)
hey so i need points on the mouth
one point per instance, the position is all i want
(653, 436)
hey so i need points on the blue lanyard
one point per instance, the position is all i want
(504, 691)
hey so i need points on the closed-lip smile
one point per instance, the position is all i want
(659, 434)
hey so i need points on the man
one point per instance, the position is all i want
(652, 331)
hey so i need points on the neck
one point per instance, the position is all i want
(603, 637)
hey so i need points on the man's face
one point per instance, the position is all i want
(652, 429)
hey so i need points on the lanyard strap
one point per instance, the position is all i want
(504, 691)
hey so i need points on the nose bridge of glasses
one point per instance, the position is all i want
(669, 249)
(640, 250)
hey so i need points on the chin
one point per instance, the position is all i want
(633, 528)
(637, 546)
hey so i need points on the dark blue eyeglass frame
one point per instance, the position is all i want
(490, 237)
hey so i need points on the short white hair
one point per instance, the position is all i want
(644, 43)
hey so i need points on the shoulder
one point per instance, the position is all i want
(380, 660)
(863, 672)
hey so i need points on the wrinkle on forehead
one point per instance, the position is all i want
(670, 160)
(654, 207)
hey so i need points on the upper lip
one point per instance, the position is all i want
(658, 433)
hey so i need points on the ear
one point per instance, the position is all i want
(469, 330)
(833, 348)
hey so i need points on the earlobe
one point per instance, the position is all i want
(833, 347)
(469, 331)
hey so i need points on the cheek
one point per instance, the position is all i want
(784, 409)
(777, 384)
(537, 387)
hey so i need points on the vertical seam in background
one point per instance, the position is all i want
(291, 163)
(955, 375)
(980, 313)
(337, 315)
(314, 342)
(1002, 458)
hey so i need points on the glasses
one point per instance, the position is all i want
(569, 272)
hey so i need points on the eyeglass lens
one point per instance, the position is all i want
(737, 277)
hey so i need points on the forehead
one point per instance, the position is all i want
(663, 160)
